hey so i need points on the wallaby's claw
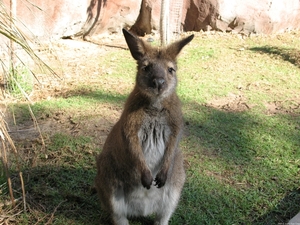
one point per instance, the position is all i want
(145, 138)
(147, 179)
(160, 179)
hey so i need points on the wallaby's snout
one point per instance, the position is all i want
(156, 75)
(158, 79)
(158, 83)
(140, 170)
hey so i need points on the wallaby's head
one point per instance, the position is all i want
(156, 75)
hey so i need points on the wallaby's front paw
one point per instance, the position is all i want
(160, 179)
(147, 179)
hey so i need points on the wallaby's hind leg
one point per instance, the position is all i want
(172, 192)
(167, 208)
(116, 207)
(120, 220)
(119, 208)
(118, 217)
(142, 146)
(112, 198)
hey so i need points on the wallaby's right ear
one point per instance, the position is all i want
(135, 45)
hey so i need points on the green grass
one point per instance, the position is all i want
(81, 98)
(242, 163)
(20, 81)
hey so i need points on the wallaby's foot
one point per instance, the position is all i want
(143, 145)
(147, 179)
(162, 222)
(120, 220)
(164, 216)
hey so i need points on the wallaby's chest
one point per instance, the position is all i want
(153, 136)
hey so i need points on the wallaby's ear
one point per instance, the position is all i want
(135, 45)
(174, 49)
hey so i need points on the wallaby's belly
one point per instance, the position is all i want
(153, 136)
(141, 201)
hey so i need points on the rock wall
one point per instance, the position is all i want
(247, 16)
(259, 16)
(55, 19)
(110, 16)
(47, 18)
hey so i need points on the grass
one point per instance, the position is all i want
(20, 82)
(241, 143)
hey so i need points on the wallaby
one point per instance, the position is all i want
(140, 169)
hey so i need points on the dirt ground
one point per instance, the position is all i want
(71, 60)
(75, 61)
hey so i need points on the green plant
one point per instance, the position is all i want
(241, 139)
(20, 81)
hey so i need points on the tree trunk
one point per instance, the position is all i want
(164, 22)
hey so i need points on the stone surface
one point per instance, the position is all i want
(110, 16)
(259, 16)
(200, 15)
(48, 19)
(55, 19)
(248, 16)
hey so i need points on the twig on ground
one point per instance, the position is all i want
(6, 218)
(7, 143)
(52, 214)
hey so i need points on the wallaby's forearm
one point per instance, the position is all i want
(144, 142)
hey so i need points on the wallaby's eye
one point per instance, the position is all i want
(171, 69)
(146, 68)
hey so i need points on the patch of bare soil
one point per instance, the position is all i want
(238, 103)
(232, 102)
(74, 61)
(63, 122)
(277, 107)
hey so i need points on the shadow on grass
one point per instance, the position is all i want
(287, 54)
(90, 95)
(243, 168)
(286, 209)
(240, 137)
(63, 191)
(78, 99)
(64, 195)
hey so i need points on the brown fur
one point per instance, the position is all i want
(151, 121)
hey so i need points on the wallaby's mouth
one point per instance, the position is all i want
(158, 85)
(156, 91)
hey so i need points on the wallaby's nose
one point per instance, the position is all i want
(158, 83)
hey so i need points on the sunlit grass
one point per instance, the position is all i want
(242, 163)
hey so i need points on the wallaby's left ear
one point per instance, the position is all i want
(174, 49)
(135, 45)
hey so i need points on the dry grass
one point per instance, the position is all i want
(241, 105)
(10, 83)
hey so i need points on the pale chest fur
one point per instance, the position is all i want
(153, 137)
